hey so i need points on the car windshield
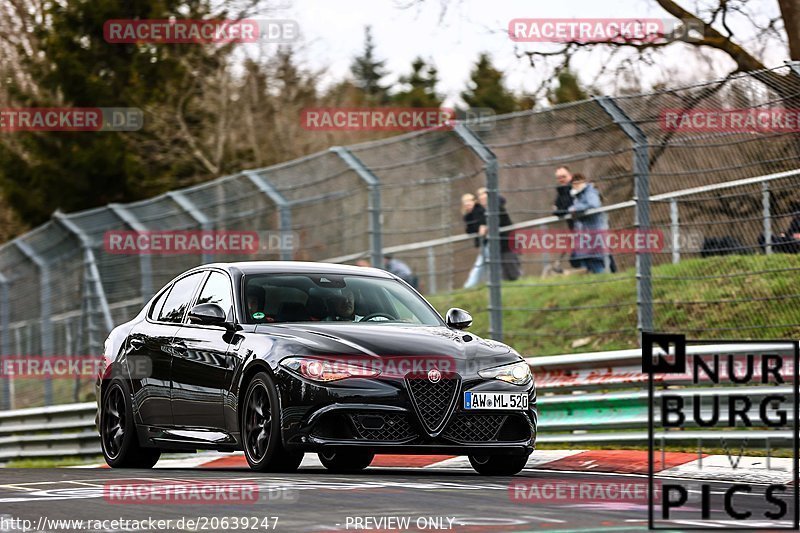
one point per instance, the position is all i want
(276, 298)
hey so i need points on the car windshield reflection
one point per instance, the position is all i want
(279, 298)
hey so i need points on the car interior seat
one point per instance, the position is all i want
(292, 312)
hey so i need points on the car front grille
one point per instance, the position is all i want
(433, 402)
(384, 427)
(474, 428)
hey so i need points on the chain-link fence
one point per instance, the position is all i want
(722, 196)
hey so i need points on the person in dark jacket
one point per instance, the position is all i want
(475, 223)
(791, 238)
(563, 199)
(787, 242)
(561, 207)
(509, 260)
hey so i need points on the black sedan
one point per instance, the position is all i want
(282, 358)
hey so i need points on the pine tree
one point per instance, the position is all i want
(75, 67)
(568, 89)
(421, 86)
(368, 72)
(487, 88)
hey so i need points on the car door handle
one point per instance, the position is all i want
(177, 348)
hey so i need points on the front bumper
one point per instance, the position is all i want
(380, 415)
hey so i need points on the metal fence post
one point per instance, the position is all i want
(675, 229)
(767, 217)
(431, 270)
(641, 195)
(374, 207)
(284, 207)
(205, 223)
(93, 272)
(493, 223)
(46, 331)
(5, 338)
(145, 261)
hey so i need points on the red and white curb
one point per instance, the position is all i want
(675, 464)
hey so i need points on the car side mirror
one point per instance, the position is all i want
(207, 314)
(458, 318)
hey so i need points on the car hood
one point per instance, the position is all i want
(387, 341)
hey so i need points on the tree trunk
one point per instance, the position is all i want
(790, 11)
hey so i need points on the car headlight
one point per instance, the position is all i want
(517, 373)
(324, 370)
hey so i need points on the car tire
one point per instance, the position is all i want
(118, 439)
(345, 462)
(498, 465)
(260, 429)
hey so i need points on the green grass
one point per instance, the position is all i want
(53, 463)
(731, 297)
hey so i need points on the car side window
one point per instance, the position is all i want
(155, 309)
(217, 290)
(179, 298)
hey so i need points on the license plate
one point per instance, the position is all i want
(509, 401)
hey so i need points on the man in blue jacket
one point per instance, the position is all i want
(584, 197)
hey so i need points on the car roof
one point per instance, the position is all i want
(299, 267)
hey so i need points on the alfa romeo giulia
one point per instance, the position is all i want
(279, 359)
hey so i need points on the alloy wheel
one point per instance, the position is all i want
(258, 421)
(114, 421)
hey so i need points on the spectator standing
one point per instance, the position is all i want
(561, 205)
(787, 242)
(400, 269)
(563, 197)
(511, 268)
(792, 235)
(584, 197)
(475, 223)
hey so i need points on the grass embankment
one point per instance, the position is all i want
(718, 297)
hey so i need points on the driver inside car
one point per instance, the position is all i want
(255, 299)
(343, 306)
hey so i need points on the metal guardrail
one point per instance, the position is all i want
(570, 412)
(49, 432)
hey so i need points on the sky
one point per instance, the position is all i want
(333, 33)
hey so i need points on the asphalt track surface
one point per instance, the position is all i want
(432, 499)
